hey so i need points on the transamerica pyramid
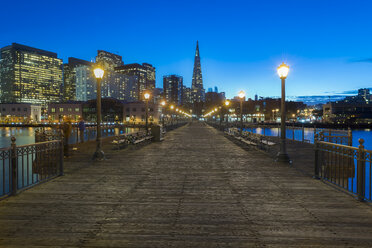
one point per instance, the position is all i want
(198, 92)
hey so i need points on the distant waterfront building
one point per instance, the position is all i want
(145, 74)
(353, 109)
(70, 92)
(29, 75)
(173, 85)
(213, 99)
(57, 111)
(198, 92)
(135, 112)
(20, 113)
(364, 93)
(114, 110)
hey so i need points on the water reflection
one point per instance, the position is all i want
(26, 135)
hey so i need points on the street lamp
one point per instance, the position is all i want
(227, 103)
(99, 154)
(147, 97)
(282, 156)
(241, 96)
(172, 107)
(163, 105)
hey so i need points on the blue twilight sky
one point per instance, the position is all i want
(327, 43)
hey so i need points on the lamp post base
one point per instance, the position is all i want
(99, 155)
(282, 158)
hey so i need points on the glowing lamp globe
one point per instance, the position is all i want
(227, 103)
(147, 96)
(283, 71)
(98, 73)
(163, 103)
(241, 94)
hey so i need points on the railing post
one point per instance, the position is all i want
(303, 133)
(361, 170)
(350, 137)
(316, 162)
(278, 130)
(61, 155)
(14, 166)
(77, 135)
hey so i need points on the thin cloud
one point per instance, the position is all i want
(365, 60)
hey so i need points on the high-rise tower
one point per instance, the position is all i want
(198, 92)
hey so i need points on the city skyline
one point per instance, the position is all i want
(240, 47)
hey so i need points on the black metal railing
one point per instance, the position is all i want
(345, 166)
(27, 165)
(343, 137)
(293, 133)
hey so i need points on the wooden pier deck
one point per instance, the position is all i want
(195, 189)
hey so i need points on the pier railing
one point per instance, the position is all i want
(27, 165)
(345, 166)
(343, 137)
(293, 133)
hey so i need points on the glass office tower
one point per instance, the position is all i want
(29, 75)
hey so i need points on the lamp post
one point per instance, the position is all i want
(241, 96)
(163, 105)
(176, 116)
(227, 103)
(99, 154)
(172, 107)
(147, 97)
(282, 156)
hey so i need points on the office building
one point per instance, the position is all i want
(70, 92)
(29, 75)
(86, 83)
(186, 95)
(115, 84)
(173, 85)
(108, 60)
(145, 75)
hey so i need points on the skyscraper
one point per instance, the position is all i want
(115, 84)
(29, 75)
(186, 96)
(173, 86)
(198, 92)
(69, 77)
(145, 74)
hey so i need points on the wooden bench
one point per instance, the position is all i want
(133, 139)
(121, 141)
